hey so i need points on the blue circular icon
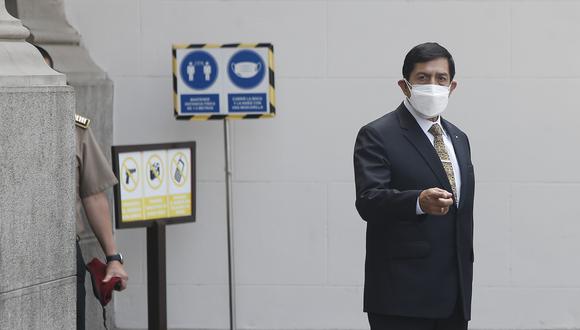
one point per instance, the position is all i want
(246, 69)
(199, 70)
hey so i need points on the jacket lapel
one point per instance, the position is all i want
(462, 155)
(413, 132)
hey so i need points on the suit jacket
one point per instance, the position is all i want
(416, 265)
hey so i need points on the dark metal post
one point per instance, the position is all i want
(156, 277)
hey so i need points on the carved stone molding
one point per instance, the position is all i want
(21, 65)
(50, 29)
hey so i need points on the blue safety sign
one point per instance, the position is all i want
(247, 102)
(246, 69)
(200, 103)
(213, 81)
(199, 70)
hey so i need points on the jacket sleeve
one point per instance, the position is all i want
(376, 200)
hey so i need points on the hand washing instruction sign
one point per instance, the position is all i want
(223, 81)
(156, 183)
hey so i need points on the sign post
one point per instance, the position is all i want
(230, 81)
(157, 187)
(156, 276)
(230, 224)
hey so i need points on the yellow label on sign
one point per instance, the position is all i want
(132, 209)
(155, 207)
(179, 205)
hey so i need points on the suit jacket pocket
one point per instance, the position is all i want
(409, 250)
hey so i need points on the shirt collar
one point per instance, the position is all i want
(425, 124)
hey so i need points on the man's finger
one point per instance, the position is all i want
(434, 209)
(440, 210)
(107, 278)
(443, 202)
(440, 193)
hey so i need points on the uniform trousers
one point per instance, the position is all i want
(81, 293)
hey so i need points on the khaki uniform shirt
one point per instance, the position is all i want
(94, 173)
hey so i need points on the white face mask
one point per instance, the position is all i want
(429, 100)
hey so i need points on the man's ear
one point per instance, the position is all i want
(452, 87)
(403, 85)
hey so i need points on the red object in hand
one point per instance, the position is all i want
(103, 291)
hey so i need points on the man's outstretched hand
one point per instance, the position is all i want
(435, 201)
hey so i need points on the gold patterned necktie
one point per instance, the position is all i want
(437, 132)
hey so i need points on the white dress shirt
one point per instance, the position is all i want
(425, 125)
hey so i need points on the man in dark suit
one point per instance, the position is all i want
(415, 188)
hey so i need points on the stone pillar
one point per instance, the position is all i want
(37, 227)
(50, 29)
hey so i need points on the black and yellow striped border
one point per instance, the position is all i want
(272, 96)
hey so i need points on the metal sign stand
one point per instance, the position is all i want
(156, 227)
(255, 100)
(229, 206)
(156, 277)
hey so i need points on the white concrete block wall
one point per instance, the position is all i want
(299, 241)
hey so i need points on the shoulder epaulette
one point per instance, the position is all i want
(81, 121)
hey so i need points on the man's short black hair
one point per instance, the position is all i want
(46, 55)
(424, 53)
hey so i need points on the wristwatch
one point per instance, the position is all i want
(118, 257)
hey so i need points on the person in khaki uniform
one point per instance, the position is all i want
(93, 177)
